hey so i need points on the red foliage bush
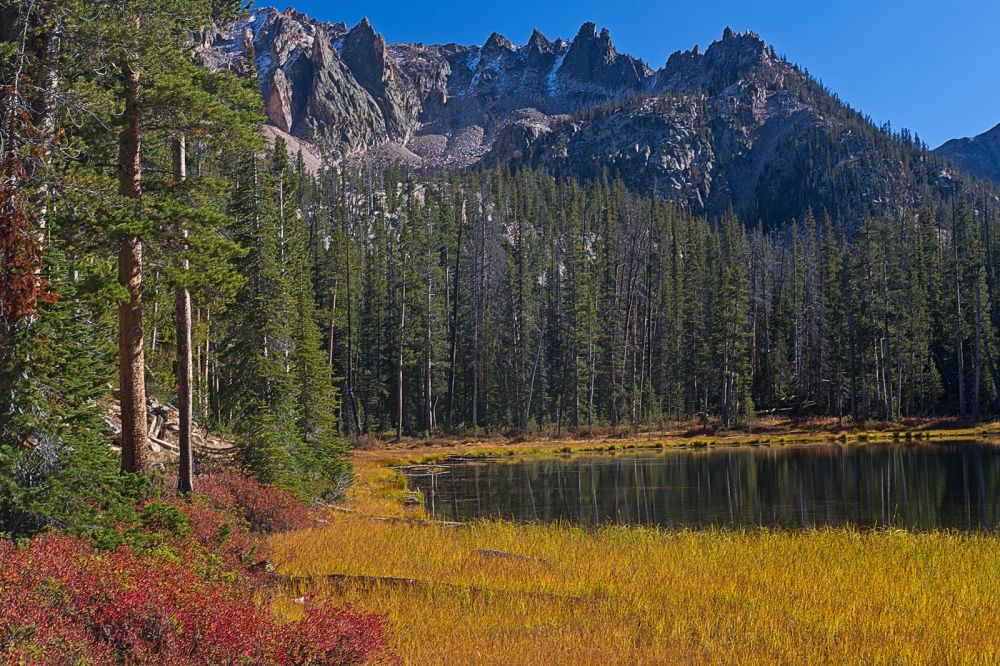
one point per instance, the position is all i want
(329, 635)
(218, 536)
(61, 601)
(266, 509)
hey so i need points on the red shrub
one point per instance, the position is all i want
(328, 635)
(63, 602)
(219, 536)
(266, 509)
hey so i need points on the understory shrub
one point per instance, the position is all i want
(63, 601)
(266, 509)
(180, 584)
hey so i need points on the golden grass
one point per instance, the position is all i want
(641, 596)
(625, 595)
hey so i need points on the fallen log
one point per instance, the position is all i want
(415, 521)
(343, 580)
(504, 555)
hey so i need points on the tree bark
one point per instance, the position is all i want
(399, 366)
(131, 359)
(531, 385)
(428, 342)
(453, 353)
(959, 352)
(51, 48)
(185, 372)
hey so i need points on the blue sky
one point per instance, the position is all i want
(933, 67)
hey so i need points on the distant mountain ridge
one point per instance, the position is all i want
(732, 127)
(978, 155)
(430, 104)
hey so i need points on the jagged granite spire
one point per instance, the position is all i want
(592, 59)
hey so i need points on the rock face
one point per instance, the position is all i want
(592, 64)
(350, 93)
(978, 155)
(734, 126)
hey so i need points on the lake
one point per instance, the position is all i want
(920, 486)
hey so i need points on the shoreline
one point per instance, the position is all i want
(426, 451)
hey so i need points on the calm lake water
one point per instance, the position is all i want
(916, 486)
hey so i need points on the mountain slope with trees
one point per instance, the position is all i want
(522, 301)
(978, 155)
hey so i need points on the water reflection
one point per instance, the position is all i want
(919, 486)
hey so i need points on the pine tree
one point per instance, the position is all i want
(260, 393)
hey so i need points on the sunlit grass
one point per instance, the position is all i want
(632, 595)
(625, 595)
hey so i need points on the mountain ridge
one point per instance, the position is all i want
(732, 127)
(977, 155)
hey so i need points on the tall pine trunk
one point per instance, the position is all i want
(959, 352)
(453, 353)
(131, 357)
(185, 372)
(428, 340)
(399, 365)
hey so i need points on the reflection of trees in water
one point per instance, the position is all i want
(920, 486)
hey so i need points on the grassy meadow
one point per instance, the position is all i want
(499, 593)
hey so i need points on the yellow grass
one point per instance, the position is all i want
(643, 596)
(637, 596)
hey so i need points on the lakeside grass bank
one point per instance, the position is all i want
(492, 592)
(771, 432)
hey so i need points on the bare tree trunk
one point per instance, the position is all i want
(203, 364)
(131, 358)
(355, 417)
(891, 406)
(428, 341)
(399, 366)
(185, 372)
(479, 301)
(51, 49)
(333, 322)
(534, 374)
(453, 354)
(959, 352)
(590, 389)
(977, 370)
(853, 364)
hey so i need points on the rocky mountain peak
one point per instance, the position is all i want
(592, 59)
(738, 58)
(540, 50)
(587, 31)
(497, 45)
(746, 48)
(730, 126)
(539, 42)
(366, 54)
(588, 51)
